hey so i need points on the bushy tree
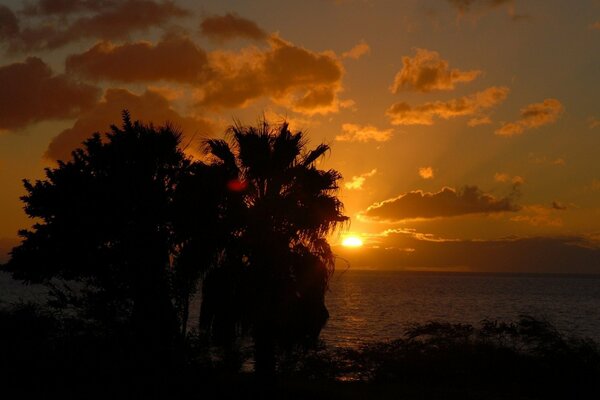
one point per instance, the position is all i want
(104, 230)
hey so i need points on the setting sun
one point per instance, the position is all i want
(352, 241)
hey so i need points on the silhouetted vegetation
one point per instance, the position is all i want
(128, 230)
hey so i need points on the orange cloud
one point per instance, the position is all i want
(504, 177)
(142, 61)
(403, 114)
(150, 106)
(447, 202)
(484, 120)
(593, 122)
(361, 49)
(31, 93)
(112, 20)
(426, 72)
(356, 183)
(303, 80)
(426, 172)
(231, 26)
(366, 133)
(595, 26)
(533, 116)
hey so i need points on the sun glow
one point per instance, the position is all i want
(352, 241)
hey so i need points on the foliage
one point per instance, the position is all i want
(274, 275)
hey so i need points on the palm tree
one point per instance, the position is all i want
(274, 274)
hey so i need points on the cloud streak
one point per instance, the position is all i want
(404, 114)
(448, 202)
(533, 116)
(363, 133)
(357, 182)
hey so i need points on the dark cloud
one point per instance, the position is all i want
(557, 205)
(231, 26)
(447, 202)
(31, 93)
(174, 58)
(65, 7)
(467, 5)
(409, 250)
(304, 80)
(150, 106)
(9, 24)
(116, 21)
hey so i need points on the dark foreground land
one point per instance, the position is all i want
(529, 359)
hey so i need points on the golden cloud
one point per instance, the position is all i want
(426, 172)
(356, 183)
(477, 121)
(403, 114)
(305, 81)
(426, 72)
(533, 116)
(31, 93)
(150, 106)
(448, 202)
(231, 26)
(540, 215)
(361, 49)
(504, 177)
(142, 61)
(363, 133)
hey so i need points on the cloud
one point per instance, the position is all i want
(231, 26)
(403, 114)
(361, 49)
(448, 202)
(483, 120)
(533, 116)
(410, 250)
(356, 183)
(65, 7)
(479, 7)
(426, 172)
(32, 93)
(557, 205)
(303, 80)
(593, 122)
(504, 177)
(540, 215)
(595, 26)
(9, 24)
(363, 133)
(426, 72)
(117, 20)
(174, 58)
(150, 107)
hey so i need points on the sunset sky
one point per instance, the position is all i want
(467, 131)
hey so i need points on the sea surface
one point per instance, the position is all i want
(367, 306)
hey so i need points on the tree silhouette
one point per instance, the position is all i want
(105, 220)
(274, 274)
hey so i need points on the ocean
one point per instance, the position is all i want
(366, 306)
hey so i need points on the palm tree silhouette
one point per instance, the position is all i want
(276, 270)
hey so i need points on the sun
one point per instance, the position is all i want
(352, 241)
